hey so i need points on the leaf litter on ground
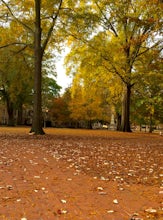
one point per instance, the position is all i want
(110, 156)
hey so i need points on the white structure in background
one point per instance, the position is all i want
(112, 120)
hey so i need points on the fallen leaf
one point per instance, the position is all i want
(9, 187)
(115, 201)
(61, 211)
(151, 210)
(63, 201)
(100, 188)
(37, 177)
(110, 211)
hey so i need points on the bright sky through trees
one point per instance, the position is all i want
(62, 79)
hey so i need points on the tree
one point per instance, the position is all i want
(122, 32)
(148, 96)
(59, 111)
(98, 84)
(41, 40)
(147, 102)
(50, 90)
(15, 82)
(38, 54)
(88, 100)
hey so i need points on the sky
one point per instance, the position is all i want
(62, 79)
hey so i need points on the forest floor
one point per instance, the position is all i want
(80, 175)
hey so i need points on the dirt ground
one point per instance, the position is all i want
(80, 175)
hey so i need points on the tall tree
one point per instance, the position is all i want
(126, 31)
(38, 54)
(39, 50)
(101, 90)
(43, 14)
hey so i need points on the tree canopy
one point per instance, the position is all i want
(119, 35)
(32, 31)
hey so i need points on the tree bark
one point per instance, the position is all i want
(118, 122)
(10, 111)
(150, 124)
(20, 115)
(125, 122)
(37, 122)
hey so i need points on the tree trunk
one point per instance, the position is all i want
(118, 122)
(10, 111)
(125, 122)
(20, 115)
(89, 124)
(150, 124)
(37, 108)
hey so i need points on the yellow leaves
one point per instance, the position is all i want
(29, 4)
(70, 41)
(69, 3)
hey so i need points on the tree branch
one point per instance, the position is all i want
(114, 70)
(110, 26)
(12, 14)
(12, 44)
(51, 27)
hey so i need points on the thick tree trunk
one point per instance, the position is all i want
(118, 122)
(37, 122)
(125, 122)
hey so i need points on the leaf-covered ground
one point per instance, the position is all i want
(80, 174)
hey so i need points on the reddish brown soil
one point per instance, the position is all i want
(80, 174)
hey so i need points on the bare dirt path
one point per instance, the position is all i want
(80, 174)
